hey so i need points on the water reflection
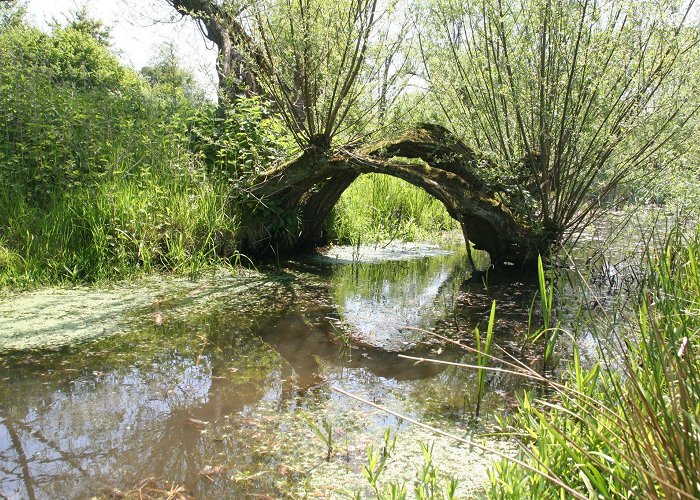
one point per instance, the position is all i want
(379, 301)
(222, 387)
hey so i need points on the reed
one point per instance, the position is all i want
(161, 220)
(483, 354)
(324, 431)
(628, 429)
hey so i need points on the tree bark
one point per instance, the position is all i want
(221, 26)
(311, 185)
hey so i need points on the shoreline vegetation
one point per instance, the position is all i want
(109, 174)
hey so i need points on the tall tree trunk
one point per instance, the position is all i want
(220, 25)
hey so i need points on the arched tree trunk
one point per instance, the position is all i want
(318, 205)
(450, 171)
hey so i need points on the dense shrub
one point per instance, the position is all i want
(106, 172)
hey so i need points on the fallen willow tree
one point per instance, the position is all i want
(310, 185)
(561, 101)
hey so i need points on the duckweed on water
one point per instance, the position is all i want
(56, 317)
(201, 384)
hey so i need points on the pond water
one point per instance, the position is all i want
(199, 387)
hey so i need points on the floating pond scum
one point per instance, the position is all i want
(168, 383)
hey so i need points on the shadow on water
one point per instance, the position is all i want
(209, 399)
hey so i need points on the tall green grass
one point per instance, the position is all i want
(628, 427)
(379, 207)
(162, 219)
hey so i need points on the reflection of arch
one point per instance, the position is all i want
(449, 171)
(140, 422)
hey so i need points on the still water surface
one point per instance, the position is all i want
(209, 398)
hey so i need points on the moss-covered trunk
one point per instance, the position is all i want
(309, 186)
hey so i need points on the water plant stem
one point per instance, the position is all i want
(546, 473)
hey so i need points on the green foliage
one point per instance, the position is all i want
(628, 430)
(242, 142)
(549, 329)
(76, 56)
(154, 220)
(677, 185)
(378, 207)
(483, 355)
(323, 431)
(67, 110)
(167, 77)
(105, 174)
(81, 22)
(372, 470)
(11, 13)
(429, 483)
(568, 99)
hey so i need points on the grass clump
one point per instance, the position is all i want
(629, 426)
(156, 220)
(378, 207)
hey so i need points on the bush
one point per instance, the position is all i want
(105, 174)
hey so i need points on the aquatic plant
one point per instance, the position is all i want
(429, 484)
(625, 427)
(340, 332)
(548, 328)
(372, 469)
(483, 353)
(377, 461)
(324, 431)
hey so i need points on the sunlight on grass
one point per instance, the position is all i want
(379, 207)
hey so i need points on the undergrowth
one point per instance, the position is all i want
(628, 427)
(105, 173)
(153, 221)
(378, 207)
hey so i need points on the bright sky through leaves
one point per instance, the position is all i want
(138, 29)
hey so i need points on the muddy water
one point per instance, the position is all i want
(200, 387)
